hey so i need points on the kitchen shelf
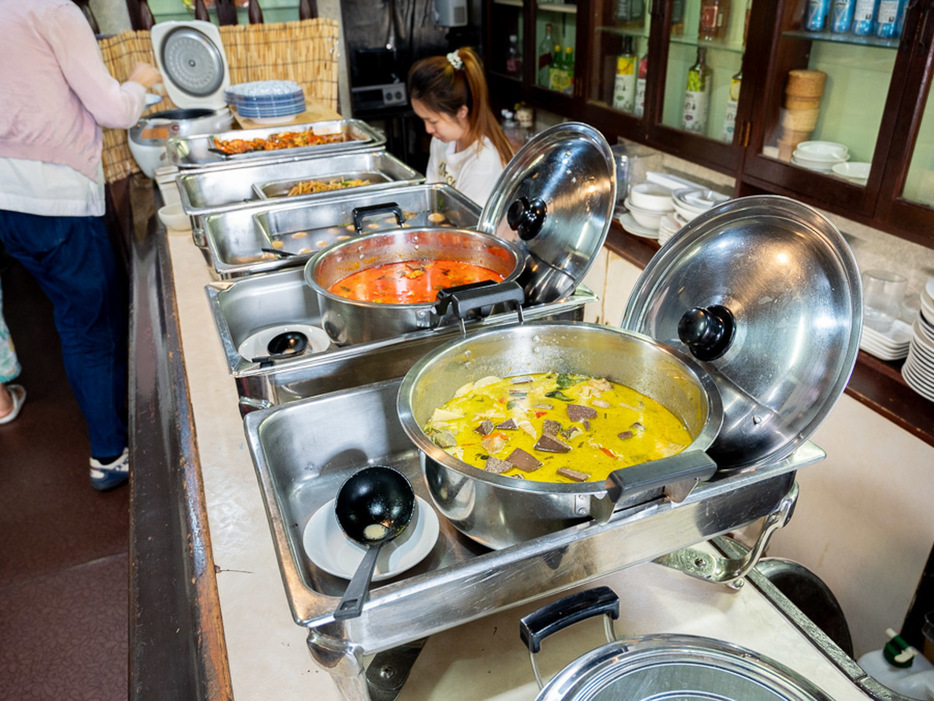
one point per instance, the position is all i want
(640, 33)
(710, 45)
(563, 8)
(840, 38)
(510, 3)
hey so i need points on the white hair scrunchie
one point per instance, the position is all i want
(456, 61)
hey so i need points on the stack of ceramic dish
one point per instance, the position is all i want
(891, 345)
(689, 203)
(821, 156)
(856, 173)
(918, 369)
(669, 225)
(647, 203)
(267, 101)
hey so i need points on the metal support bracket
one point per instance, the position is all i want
(732, 571)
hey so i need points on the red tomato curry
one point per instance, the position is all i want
(410, 282)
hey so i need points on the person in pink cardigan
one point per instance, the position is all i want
(57, 96)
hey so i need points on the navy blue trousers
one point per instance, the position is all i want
(73, 261)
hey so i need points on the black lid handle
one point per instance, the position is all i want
(526, 218)
(707, 331)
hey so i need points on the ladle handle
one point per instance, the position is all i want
(351, 604)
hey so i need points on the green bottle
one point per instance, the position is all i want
(697, 95)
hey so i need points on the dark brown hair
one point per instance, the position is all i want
(445, 89)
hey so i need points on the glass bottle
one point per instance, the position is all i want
(640, 86)
(514, 57)
(146, 20)
(677, 18)
(842, 16)
(729, 119)
(201, 11)
(889, 18)
(556, 73)
(624, 85)
(863, 16)
(255, 12)
(544, 57)
(714, 19)
(697, 95)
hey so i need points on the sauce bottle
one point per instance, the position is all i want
(714, 19)
(624, 86)
(697, 95)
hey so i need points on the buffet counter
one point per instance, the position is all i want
(209, 613)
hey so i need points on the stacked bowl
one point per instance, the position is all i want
(647, 203)
(267, 101)
(918, 369)
(821, 156)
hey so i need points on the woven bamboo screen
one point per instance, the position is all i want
(305, 51)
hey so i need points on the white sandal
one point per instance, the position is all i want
(18, 392)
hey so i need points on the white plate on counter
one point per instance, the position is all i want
(256, 344)
(629, 224)
(330, 549)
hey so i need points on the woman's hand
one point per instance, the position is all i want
(145, 74)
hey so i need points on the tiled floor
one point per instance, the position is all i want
(63, 546)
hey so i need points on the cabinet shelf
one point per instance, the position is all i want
(510, 3)
(710, 45)
(561, 7)
(838, 38)
(624, 32)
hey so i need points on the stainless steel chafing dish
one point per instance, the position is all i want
(239, 240)
(213, 190)
(199, 151)
(258, 303)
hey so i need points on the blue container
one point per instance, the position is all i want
(842, 15)
(864, 16)
(817, 15)
(889, 18)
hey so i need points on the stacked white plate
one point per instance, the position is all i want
(891, 345)
(669, 226)
(267, 100)
(918, 369)
(821, 156)
(690, 203)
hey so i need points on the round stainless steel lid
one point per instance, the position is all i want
(682, 667)
(555, 201)
(766, 293)
(192, 61)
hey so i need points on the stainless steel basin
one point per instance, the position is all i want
(304, 450)
(245, 306)
(211, 190)
(236, 237)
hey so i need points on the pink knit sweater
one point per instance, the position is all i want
(55, 91)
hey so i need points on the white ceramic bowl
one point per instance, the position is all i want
(644, 217)
(823, 151)
(854, 172)
(820, 165)
(174, 217)
(651, 197)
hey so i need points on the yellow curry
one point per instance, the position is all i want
(554, 427)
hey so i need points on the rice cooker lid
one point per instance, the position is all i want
(682, 667)
(192, 61)
(555, 201)
(765, 293)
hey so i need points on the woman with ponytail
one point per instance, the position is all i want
(468, 148)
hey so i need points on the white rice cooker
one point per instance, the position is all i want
(194, 70)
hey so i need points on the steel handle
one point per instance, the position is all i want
(361, 213)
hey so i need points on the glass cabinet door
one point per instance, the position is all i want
(618, 60)
(505, 37)
(704, 67)
(837, 76)
(555, 33)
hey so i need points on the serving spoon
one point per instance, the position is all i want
(374, 506)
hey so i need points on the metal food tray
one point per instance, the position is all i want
(245, 306)
(236, 238)
(212, 190)
(198, 151)
(459, 580)
(281, 188)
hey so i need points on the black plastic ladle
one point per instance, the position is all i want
(373, 506)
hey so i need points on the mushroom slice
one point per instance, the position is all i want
(551, 428)
(548, 444)
(496, 465)
(578, 412)
(573, 474)
(523, 460)
(485, 428)
(507, 425)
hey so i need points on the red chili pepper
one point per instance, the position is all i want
(540, 414)
(609, 452)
